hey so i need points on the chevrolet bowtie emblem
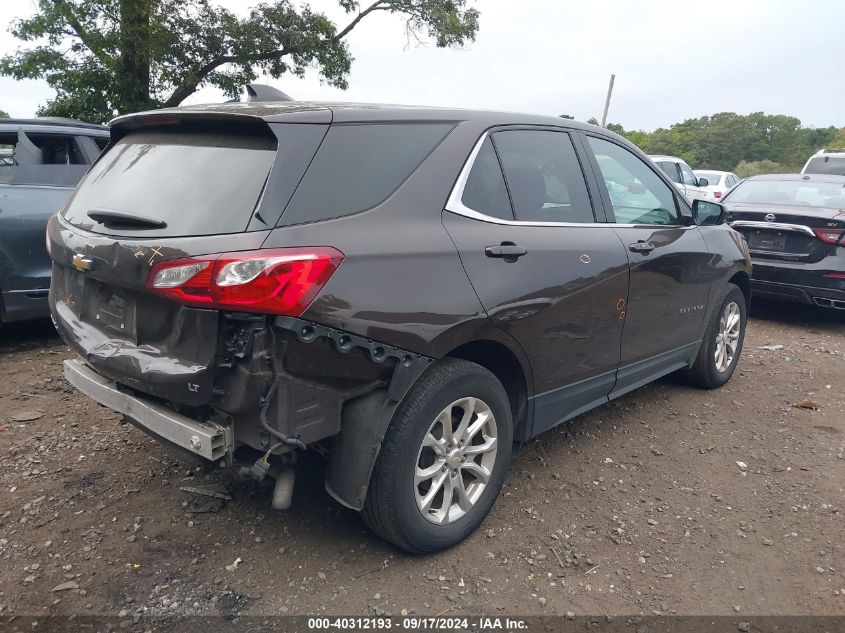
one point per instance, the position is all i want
(80, 262)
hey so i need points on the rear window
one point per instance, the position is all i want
(359, 166)
(791, 192)
(833, 165)
(197, 183)
(712, 179)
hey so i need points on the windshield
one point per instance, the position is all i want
(791, 192)
(826, 165)
(196, 183)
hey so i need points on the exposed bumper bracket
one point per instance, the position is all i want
(207, 439)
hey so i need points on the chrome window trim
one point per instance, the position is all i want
(777, 226)
(455, 205)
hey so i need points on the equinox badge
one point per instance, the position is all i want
(80, 262)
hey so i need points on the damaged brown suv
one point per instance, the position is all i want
(414, 290)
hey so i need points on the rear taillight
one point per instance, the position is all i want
(717, 194)
(274, 281)
(829, 236)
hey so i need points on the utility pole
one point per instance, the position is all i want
(607, 101)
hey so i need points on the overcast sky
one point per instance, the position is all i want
(673, 60)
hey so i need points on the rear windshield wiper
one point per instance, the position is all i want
(125, 220)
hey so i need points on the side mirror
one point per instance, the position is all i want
(703, 182)
(708, 213)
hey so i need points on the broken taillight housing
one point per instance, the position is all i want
(829, 236)
(273, 281)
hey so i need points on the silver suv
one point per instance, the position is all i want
(826, 161)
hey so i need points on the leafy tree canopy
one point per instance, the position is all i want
(107, 57)
(726, 140)
(4, 114)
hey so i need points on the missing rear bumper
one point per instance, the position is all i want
(206, 439)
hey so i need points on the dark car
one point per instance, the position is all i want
(414, 290)
(795, 228)
(41, 160)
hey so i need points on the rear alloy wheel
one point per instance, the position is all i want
(443, 460)
(722, 344)
(455, 461)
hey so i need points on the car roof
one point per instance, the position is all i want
(713, 171)
(837, 153)
(829, 178)
(341, 112)
(52, 122)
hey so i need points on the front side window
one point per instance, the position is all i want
(687, 177)
(637, 193)
(543, 175)
(485, 190)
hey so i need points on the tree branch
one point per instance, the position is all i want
(378, 5)
(67, 11)
(190, 85)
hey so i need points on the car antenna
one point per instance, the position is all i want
(262, 92)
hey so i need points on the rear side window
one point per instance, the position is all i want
(32, 158)
(485, 190)
(670, 169)
(359, 166)
(831, 165)
(197, 183)
(544, 177)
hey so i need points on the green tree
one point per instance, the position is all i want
(107, 57)
(4, 114)
(745, 168)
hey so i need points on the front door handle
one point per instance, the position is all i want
(508, 251)
(641, 247)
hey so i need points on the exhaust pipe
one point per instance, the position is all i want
(283, 490)
(836, 304)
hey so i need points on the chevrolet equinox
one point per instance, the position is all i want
(411, 291)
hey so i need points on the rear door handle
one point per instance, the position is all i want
(508, 251)
(641, 247)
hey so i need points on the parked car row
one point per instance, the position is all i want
(414, 290)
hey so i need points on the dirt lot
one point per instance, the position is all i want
(670, 500)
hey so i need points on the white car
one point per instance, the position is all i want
(718, 182)
(682, 176)
(826, 161)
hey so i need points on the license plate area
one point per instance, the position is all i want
(761, 240)
(115, 310)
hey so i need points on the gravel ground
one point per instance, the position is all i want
(670, 500)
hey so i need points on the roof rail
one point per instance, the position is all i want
(262, 92)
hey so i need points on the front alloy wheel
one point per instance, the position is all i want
(727, 338)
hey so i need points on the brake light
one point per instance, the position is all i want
(274, 281)
(829, 236)
(717, 194)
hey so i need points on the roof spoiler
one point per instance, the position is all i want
(262, 92)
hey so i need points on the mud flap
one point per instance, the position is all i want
(363, 425)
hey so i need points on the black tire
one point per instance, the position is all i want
(391, 509)
(704, 373)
